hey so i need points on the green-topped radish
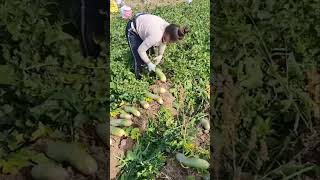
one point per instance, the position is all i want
(132, 110)
(73, 154)
(125, 116)
(120, 122)
(145, 104)
(154, 97)
(161, 75)
(205, 124)
(159, 90)
(117, 131)
(49, 172)
(101, 130)
(192, 162)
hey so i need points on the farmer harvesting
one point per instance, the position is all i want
(146, 31)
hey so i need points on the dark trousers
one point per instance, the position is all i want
(134, 41)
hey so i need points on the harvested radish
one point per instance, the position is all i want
(132, 110)
(101, 130)
(117, 131)
(74, 154)
(205, 123)
(159, 90)
(120, 122)
(125, 116)
(161, 75)
(49, 172)
(144, 104)
(154, 97)
(192, 162)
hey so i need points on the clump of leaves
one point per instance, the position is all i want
(265, 49)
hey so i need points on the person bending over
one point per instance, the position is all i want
(146, 31)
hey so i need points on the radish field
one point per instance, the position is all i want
(147, 148)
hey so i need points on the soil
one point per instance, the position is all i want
(203, 139)
(118, 148)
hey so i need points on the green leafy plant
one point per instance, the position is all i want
(261, 108)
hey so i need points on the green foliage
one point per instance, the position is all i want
(123, 84)
(133, 133)
(263, 49)
(20, 159)
(185, 63)
(161, 139)
(45, 83)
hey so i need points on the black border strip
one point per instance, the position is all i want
(107, 41)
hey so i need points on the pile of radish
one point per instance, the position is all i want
(125, 117)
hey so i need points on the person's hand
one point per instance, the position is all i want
(151, 66)
(158, 59)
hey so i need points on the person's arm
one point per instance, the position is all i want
(162, 48)
(142, 51)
